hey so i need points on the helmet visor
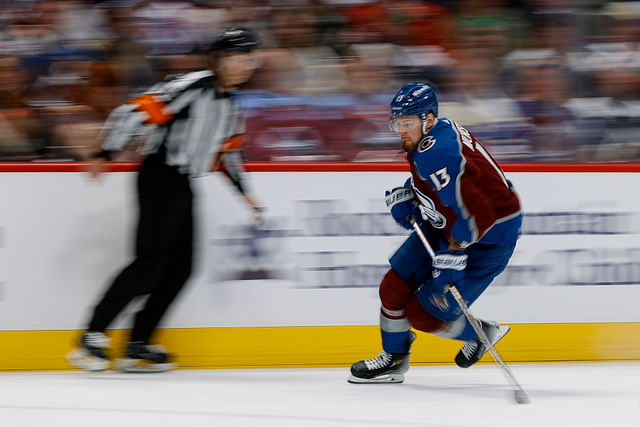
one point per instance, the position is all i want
(404, 123)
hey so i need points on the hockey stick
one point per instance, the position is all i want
(519, 394)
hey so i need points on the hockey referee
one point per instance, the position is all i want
(192, 126)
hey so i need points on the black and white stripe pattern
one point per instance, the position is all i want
(202, 120)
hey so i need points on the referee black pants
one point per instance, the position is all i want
(163, 251)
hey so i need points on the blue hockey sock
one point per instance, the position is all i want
(394, 342)
(395, 333)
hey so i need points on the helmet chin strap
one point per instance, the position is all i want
(424, 119)
(424, 129)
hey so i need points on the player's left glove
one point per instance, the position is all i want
(403, 205)
(448, 268)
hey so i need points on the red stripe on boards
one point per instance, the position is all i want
(329, 167)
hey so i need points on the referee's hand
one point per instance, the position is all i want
(96, 167)
(256, 209)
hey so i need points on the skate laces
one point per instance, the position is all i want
(490, 329)
(96, 339)
(469, 348)
(153, 353)
(156, 349)
(378, 362)
(140, 347)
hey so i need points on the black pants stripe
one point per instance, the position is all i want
(163, 252)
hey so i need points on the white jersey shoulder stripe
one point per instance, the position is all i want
(180, 83)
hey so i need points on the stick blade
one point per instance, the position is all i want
(521, 397)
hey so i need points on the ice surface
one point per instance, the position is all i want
(600, 394)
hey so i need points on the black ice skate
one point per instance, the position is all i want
(472, 351)
(141, 357)
(90, 355)
(386, 368)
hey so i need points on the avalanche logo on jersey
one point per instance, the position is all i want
(426, 143)
(429, 212)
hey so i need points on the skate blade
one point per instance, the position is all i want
(383, 379)
(142, 366)
(81, 358)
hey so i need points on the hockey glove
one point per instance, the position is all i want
(403, 205)
(448, 269)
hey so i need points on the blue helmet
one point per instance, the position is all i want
(415, 99)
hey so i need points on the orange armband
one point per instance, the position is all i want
(155, 108)
(230, 144)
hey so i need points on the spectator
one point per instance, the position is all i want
(21, 133)
(475, 94)
(542, 89)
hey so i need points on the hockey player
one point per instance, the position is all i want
(471, 216)
(192, 125)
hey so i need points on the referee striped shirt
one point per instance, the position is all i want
(187, 116)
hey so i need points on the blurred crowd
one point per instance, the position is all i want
(536, 80)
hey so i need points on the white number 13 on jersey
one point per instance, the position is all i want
(440, 178)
